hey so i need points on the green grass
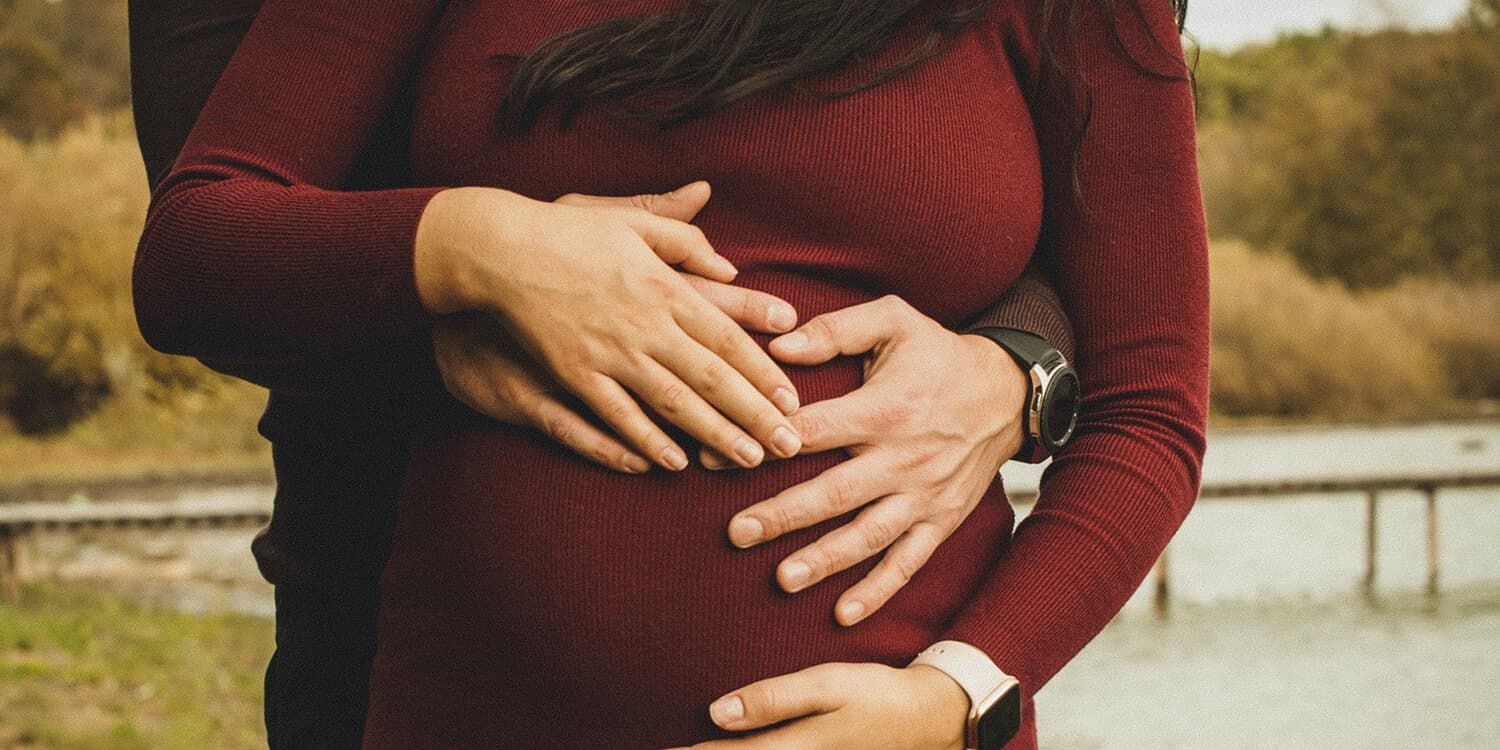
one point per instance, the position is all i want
(82, 668)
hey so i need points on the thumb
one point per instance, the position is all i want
(682, 204)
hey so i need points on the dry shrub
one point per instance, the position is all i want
(70, 212)
(1461, 322)
(1287, 346)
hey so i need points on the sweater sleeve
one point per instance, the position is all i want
(252, 247)
(1031, 304)
(1130, 262)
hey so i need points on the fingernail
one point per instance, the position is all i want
(726, 711)
(793, 342)
(712, 460)
(851, 611)
(794, 576)
(674, 458)
(723, 264)
(749, 451)
(781, 318)
(745, 531)
(637, 464)
(785, 400)
(786, 443)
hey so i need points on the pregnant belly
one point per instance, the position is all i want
(535, 600)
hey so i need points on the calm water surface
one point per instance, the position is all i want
(1268, 645)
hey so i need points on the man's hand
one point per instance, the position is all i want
(936, 417)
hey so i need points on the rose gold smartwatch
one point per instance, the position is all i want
(994, 696)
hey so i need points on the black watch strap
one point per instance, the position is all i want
(1027, 348)
(1033, 353)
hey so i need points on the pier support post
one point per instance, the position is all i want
(1372, 548)
(1163, 595)
(10, 565)
(1434, 568)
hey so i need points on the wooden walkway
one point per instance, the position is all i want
(20, 519)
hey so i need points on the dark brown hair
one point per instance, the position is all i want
(706, 55)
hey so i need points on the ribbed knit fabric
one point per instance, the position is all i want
(534, 601)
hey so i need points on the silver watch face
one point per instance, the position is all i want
(1059, 412)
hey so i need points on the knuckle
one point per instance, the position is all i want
(560, 429)
(875, 534)
(781, 517)
(890, 414)
(809, 426)
(715, 375)
(619, 411)
(674, 398)
(569, 199)
(905, 568)
(840, 492)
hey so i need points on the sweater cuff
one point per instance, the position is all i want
(1032, 306)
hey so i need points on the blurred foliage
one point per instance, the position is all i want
(60, 60)
(71, 208)
(1369, 157)
(1288, 346)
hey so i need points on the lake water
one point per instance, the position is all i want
(1268, 641)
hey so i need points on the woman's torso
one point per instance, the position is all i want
(534, 600)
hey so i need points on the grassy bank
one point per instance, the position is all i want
(81, 668)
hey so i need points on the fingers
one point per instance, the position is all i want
(716, 332)
(682, 204)
(619, 410)
(836, 491)
(815, 690)
(704, 396)
(560, 422)
(681, 244)
(852, 330)
(874, 529)
(756, 311)
(891, 574)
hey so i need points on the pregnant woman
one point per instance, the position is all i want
(535, 600)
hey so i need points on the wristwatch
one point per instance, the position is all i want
(994, 696)
(1051, 409)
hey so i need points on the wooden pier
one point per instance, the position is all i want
(17, 520)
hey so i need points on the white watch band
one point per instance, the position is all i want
(973, 670)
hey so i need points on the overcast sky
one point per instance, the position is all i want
(1230, 23)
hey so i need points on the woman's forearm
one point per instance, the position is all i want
(1132, 271)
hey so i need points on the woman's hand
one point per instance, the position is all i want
(839, 706)
(936, 417)
(483, 367)
(588, 290)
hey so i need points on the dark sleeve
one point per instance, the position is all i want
(254, 249)
(178, 51)
(1031, 304)
(1131, 265)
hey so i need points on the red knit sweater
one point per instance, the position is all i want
(535, 601)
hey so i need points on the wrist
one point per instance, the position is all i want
(945, 701)
(461, 237)
(1005, 394)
